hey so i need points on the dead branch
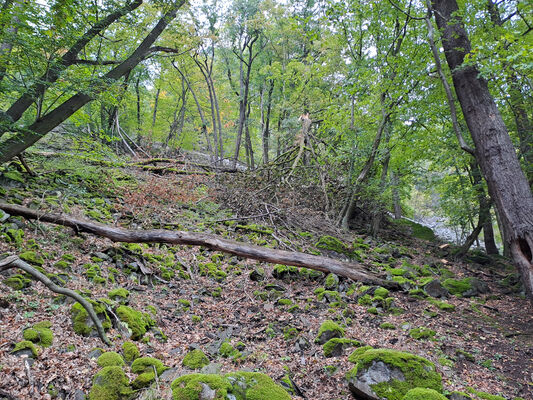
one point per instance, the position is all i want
(213, 242)
(15, 262)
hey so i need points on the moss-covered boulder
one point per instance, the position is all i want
(40, 334)
(119, 294)
(329, 330)
(31, 257)
(467, 287)
(17, 282)
(25, 348)
(138, 323)
(109, 359)
(81, 321)
(237, 385)
(335, 347)
(390, 374)
(195, 359)
(423, 394)
(130, 351)
(111, 383)
(146, 367)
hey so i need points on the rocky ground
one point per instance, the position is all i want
(243, 314)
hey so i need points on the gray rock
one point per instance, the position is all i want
(478, 287)
(207, 393)
(168, 375)
(4, 216)
(95, 353)
(378, 372)
(102, 256)
(459, 396)
(257, 275)
(79, 395)
(332, 282)
(435, 289)
(212, 368)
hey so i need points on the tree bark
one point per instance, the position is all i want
(213, 242)
(265, 121)
(494, 150)
(27, 137)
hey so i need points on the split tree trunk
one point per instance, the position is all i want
(494, 150)
(213, 242)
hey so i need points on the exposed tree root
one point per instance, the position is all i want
(15, 262)
(213, 242)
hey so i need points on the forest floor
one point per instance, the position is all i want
(484, 342)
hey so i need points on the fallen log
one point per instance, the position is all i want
(116, 234)
(15, 262)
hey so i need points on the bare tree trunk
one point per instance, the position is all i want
(350, 270)
(154, 115)
(396, 195)
(265, 121)
(179, 120)
(138, 96)
(494, 152)
(249, 148)
(7, 43)
(27, 137)
(199, 107)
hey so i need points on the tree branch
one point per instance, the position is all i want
(15, 262)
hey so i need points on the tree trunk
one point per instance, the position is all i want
(27, 137)
(213, 242)
(138, 103)
(265, 121)
(179, 119)
(494, 150)
(396, 195)
(154, 115)
(249, 148)
(7, 43)
(14, 113)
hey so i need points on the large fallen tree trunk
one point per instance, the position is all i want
(213, 242)
(15, 262)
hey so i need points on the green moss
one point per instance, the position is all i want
(421, 333)
(466, 355)
(417, 230)
(423, 394)
(329, 296)
(281, 271)
(255, 228)
(417, 371)
(329, 330)
(14, 176)
(147, 364)
(357, 352)
(382, 292)
(110, 358)
(387, 325)
(17, 282)
(195, 359)
(40, 334)
(446, 362)
(442, 305)
(372, 310)
(458, 287)
(332, 281)
(31, 257)
(15, 236)
(189, 387)
(186, 304)
(61, 264)
(284, 302)
(336, 346)
(119, 292)
(137, 321)
(26, 344)
(130, 351)
(228, 351)
(365, 300)
(212, 270)
(82, 323)
(418, 294)
(256, 386)
(132, 247)
(110, 383)
(330, 243)
(68, 257)
(484, 395)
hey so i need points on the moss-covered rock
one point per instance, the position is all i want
(111, 383)
(228, 351)
(212, 270)
(331, 243)
(40, 334)
(466, 287)
(417, 230)
(109, 359)
(195, 359)
(25, 346)
(390, 374)
(423, 394)
(120, 294)
(284, 272)
(31, 257)
(146, 367)
(130, 351)
(137, 322)
(82, 322)
(17, 282)
(421, 333)
(329, 330)
(335, 347)
(238, 385)
(331, 282)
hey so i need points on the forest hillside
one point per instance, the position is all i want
(266, 199)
